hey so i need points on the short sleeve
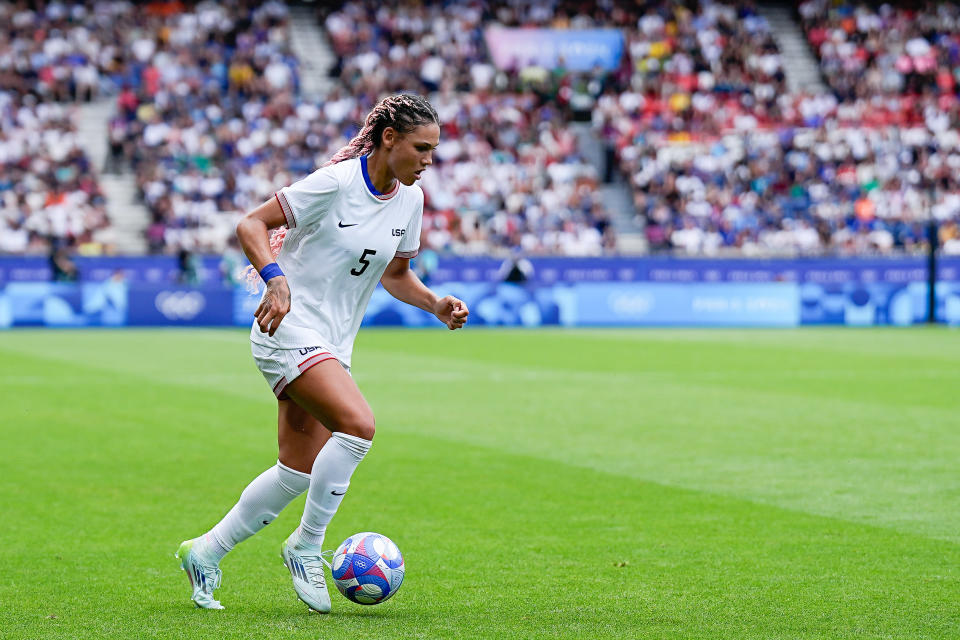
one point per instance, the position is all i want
(307, 201)
(409, 245)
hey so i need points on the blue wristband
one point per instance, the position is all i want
(272, 270)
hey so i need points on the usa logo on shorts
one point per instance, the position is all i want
(304, 351)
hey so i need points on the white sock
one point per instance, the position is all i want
(259, 504)
(328, 483)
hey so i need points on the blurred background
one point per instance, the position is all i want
(601, 163)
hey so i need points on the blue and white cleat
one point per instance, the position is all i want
(306, 569)
(204, 575)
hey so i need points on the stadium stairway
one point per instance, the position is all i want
(310, 44)
(128, 217)
(799, 65)
(615, 194)
(619, 201)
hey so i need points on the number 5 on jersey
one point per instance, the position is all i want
(363, 261)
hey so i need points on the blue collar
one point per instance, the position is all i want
(366, 177)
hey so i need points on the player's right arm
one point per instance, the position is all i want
(253, 232)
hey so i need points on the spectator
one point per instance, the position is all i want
(62, 267)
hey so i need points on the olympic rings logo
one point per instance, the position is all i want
(180, 305)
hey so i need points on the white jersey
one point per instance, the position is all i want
(341, 237)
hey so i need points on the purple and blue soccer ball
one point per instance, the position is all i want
(367, 568)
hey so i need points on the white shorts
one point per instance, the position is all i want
(282, 366)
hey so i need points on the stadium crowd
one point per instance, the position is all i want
(874, 50)
(50, 198)
(719, 157)
(210, 118)
(508, 172)
(722, 160)
(210, 123)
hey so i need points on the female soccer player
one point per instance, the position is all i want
(350, 224)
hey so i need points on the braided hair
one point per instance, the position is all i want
(404, 112)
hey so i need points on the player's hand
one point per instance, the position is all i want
(451, 312)
(275, 305)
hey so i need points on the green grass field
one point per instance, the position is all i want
(541, 484)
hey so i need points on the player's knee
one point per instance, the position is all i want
(359, 424)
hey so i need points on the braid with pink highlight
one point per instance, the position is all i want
(404, 112)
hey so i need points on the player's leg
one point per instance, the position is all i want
(330, 395)
(300, 436)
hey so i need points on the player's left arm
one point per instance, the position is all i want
(403, 284)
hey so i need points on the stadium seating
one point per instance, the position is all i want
(868, 51)
(719, 157)
(201, 158)
(49, 193)
(211, 123)
(723, 161)
(508, 172)
(48, 196)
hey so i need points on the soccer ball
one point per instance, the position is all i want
(367, 568)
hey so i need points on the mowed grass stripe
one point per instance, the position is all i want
(926, 342)
(888, 466)
(858, 459)
(901, 371)
(498, 545)
(802, 364)
(221, 359)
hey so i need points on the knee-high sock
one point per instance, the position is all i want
(329, 480)
(259, 504)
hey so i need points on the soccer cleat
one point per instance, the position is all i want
(306, 568)
(204, 575)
